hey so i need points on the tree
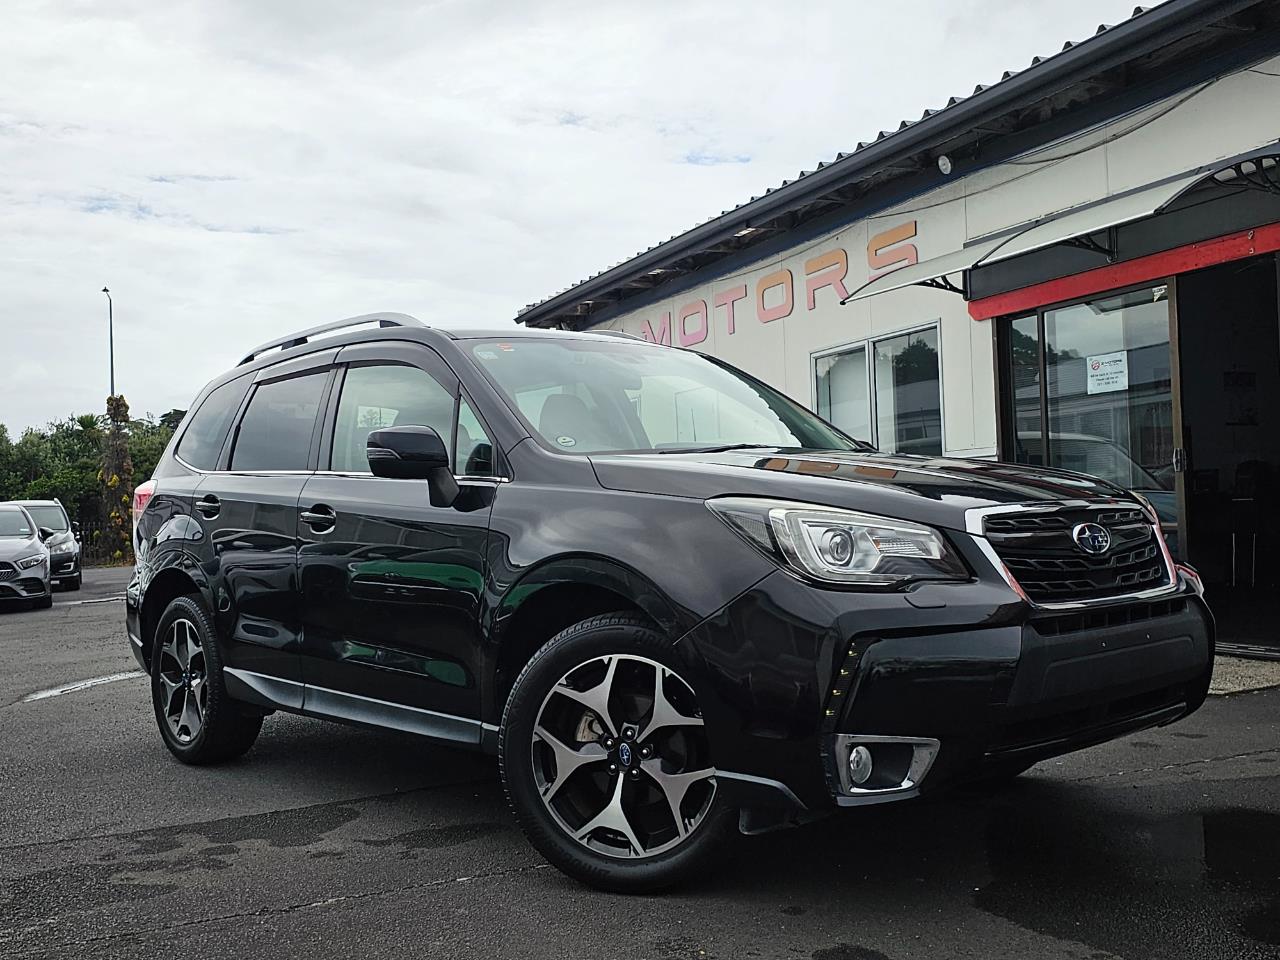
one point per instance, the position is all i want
(67, 461)
(117, 482)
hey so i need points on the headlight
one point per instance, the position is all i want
(26, 563)
(60, 549)
(841, 546)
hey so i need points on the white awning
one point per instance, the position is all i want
(1081, 221)
(926, 270)
(1070, 224)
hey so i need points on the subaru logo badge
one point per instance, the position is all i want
(1091, 538)
(624, 754)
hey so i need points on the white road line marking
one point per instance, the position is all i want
(76, 603)
(81, 685)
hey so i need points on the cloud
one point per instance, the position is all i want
(239, 169)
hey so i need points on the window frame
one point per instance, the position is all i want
(236, 412)
(868, 345)
(1006, 414)
(402, 355)
(272, 375)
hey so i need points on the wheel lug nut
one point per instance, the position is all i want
(635, 773)
(609, 743)
(613, 769)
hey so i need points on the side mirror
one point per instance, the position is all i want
(75, 530)
(413, 453)
(45, 534)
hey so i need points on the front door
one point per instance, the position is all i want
(1229, 344)
(392, 585)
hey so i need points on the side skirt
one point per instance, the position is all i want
(274, 693)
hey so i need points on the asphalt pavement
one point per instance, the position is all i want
(331, 841)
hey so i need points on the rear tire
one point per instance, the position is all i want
(198, 720)
(641, 773)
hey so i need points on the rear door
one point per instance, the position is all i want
(391, 585)
(249, 513)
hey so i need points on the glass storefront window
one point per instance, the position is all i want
(908, 398)
(1107, 392)
(844, 393)
(895, 402)
(1024, 385)
(1108, 372)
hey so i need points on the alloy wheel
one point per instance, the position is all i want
(621, 758)
(182, 674)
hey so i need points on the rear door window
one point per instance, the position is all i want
(202, 440)
(275, 432)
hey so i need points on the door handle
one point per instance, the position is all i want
(321, 518)
(208, 506)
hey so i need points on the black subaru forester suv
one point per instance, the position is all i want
(671, 600)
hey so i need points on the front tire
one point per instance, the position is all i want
(199, 722)
(45, 602)
(74, 584)
(606, 762)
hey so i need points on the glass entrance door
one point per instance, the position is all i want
(1089, 388)
(1229, 342)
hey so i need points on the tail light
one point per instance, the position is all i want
(142, 495)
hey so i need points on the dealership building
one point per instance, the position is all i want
(1075, 266)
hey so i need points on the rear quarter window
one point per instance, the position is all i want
(203, 438)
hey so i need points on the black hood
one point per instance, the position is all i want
(933, 490)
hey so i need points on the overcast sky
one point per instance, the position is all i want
(237, 169)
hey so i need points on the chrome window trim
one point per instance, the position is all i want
(353, 474)
(975, 516)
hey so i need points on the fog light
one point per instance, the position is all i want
(859, 765)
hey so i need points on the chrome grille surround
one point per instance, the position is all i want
(1030, 544)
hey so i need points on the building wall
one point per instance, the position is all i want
(773, 316)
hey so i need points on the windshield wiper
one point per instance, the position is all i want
(720, 449)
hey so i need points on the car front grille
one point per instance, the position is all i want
(1039, 549)
(7, 572)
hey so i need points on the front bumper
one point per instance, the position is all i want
(64, 567)
(25, 588)
(789, 676)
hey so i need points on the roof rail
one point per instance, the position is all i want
(298, 339)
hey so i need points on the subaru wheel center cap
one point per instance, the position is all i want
(624, 754)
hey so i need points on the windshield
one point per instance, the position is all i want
(49, 516)
(593, 396)
(13, 523)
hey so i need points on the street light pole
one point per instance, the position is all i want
(111, 338)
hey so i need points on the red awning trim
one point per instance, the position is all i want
(1193, 256)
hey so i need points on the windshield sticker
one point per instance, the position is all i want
(486, 354)
(566, 441)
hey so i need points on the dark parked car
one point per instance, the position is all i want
(672, 601)
(63, 542)
(24, 559)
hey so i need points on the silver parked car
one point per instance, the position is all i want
(63, 543)
(24, 559)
